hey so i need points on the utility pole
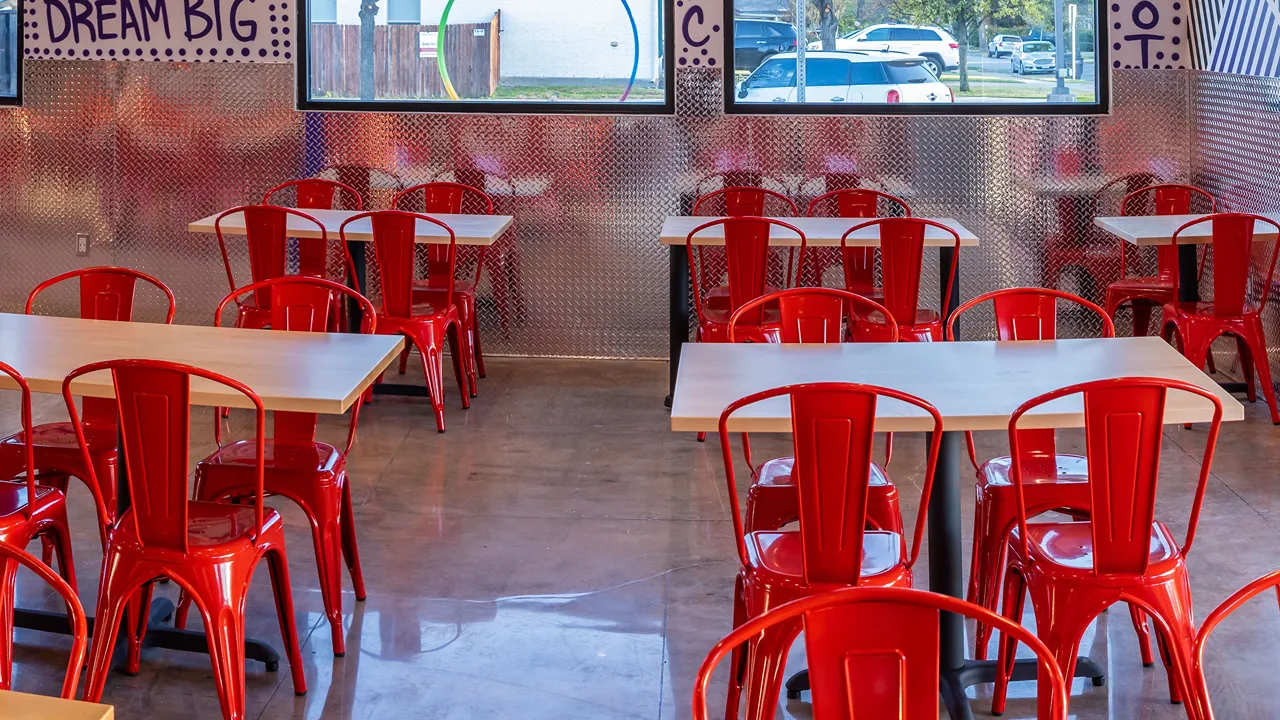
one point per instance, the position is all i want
(368, 11)
(801, 46)
(1060, 93)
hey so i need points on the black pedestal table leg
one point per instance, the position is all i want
(354, 315)
(679, 311)
(1188, 274)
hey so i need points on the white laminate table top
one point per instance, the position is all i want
(818, 232)
(469, 229)
(1159, 229)
(21, 706)
(974, 385)
(299, 371)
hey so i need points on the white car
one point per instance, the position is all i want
(940, 51)
(845, 77)
(1033, 57)
(1002, 45)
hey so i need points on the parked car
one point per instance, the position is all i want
(940, 51)
(846, 77)
(1002, 45)
(1033, 57)
(755, 41)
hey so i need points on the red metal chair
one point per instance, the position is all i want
(1220, 613)
(832, 431)
(12, 556)
(1056, 481)
(739, 201)
(902, 254)
(746, 251)
(811, 315)
(446, 198)
(106, 293)
(1197, 324)
(267, 237)
(1146, 293)
(1075, 570)
(424, 326)
(859, 262)
(28, 511)
(316, 193)
(310, 473)
(209, 550)
(873, 653)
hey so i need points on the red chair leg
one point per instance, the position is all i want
(1015, 595)
(738, 659)
(404, 359)
(327, 538)
(1246, 368)
(1144, 634)
(8, 593)
(433, 368)
(1257, 341)
(1175, 631)
(1141, 317)
(137, 615)
(475, 331)
(350, 552)
(280, 586)
(458, 351)
(224, 629)
(114, 593)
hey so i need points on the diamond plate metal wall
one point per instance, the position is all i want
(132, 152)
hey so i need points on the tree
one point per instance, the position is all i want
(828, 25)
(962, 16)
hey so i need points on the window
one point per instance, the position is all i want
(909, 58)
(500, 56)
(10, 54)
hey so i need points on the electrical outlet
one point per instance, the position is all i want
(82, 244)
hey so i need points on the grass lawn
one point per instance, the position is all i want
(575, 92)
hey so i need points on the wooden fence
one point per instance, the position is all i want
(470, 50)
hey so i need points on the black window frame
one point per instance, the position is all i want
(303, 102)
(1101, 107)
(20, 53)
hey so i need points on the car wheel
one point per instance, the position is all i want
(990, 52)
(1013, 67)
(934, 65)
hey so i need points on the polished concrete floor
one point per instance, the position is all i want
(559, 553)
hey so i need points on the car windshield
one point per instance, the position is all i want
(774, 74)
(1034, 47)
(901, 73)
(781, 72)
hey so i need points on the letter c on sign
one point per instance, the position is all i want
(688, 18)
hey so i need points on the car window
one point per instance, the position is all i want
(902, 73)
(826, 71)
(748, 29)
(773, 31)
(925, 35)
(901, 34)
(867, 73)
(1035, 47)
(776, 73)
(877, 35)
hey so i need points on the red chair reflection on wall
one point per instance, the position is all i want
(425, 326)
(1052, 480)
(1144, 294)
(446, 198)
(28, 511)
(832, 431)
(1075, 570)
(12, 555)
(1195, 325)
(1220, 613)
(873, 653)
(740, 201)
(310, 473)
(859, 262)
(266, 237)
(811, 315)
(106, 293)
(902, 242)
(318, 194)
(209, 550)
(1076, 242)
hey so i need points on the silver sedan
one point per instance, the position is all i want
(1033, 57)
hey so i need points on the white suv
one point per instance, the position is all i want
(940, 51)
(1002, 45)
(845, 77)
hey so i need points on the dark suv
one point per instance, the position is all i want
(755, 41)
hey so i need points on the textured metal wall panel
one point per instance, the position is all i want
(133, 152)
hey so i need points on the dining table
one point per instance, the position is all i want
(818, 231)
(323, 373)
(976, 386)
(24, 706)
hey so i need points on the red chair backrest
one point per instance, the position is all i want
(1240, 597)
(28, 450)
(855, 202)
(1163, 199)
(810, 315)
(302, 304)
(394, 233)
(832, 430)
(266, 233)
(1124, 429)
(746, 250)
(873, 653)
(1232, 254)
(446, 198)
(902, 255)
(154, 401)
(740, 200)
(75, 611)
(106, 293)
(315, 193)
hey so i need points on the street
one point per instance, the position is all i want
(993, 79)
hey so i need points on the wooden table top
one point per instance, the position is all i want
(974, 385)
(469, 229)
(21, 706)
(304, 372)
(1159, 229)
(818, 232)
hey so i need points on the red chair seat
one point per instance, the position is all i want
(1066, 549)
(780, 554)
(212, 525)
(279, 455)
(13, 498)
(777, 472)
(718, 297)
(52, 437)
(1069, 469)
(1142, 284)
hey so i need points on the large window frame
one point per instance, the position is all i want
(489, 107)
(19, 58)
(1100, 107)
